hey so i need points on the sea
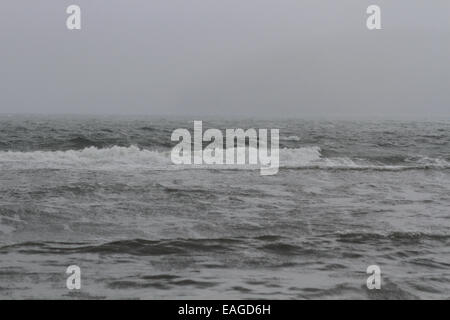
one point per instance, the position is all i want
(101, 193)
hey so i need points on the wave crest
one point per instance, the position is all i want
(134, 157)
(91, 157)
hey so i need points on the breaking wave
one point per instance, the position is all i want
(132, 157)
(290, 138)
(92, 158)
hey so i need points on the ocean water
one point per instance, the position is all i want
(102, 193)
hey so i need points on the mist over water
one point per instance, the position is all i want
(102, 193)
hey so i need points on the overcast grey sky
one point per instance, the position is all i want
(226, 57)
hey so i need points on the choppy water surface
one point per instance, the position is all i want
(102, 193)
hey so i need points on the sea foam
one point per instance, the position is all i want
(133, 157)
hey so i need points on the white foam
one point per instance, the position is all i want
(133, 157)
(300, 156)
(291, 138)
(92, 158)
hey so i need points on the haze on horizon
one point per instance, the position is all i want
(286, 58)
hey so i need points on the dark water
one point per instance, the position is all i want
(101, 193)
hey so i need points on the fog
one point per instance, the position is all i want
(288, 58)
